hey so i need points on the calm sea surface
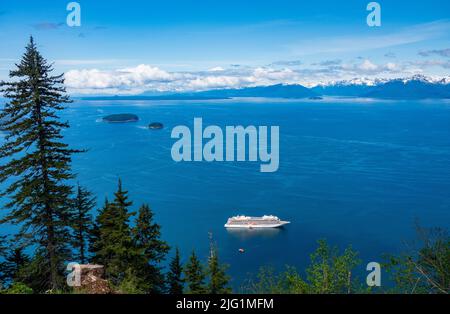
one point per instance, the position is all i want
(354, 172)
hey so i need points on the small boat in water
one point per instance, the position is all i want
(266, 221)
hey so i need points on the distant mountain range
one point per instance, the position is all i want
(415, 87)
(272, 91)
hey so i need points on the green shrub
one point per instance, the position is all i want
(18, 288)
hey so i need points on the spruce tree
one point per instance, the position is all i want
(151, 250)
(84, 202)
(94, 236)
(195, 275)
(2, 256)
(174, 277)
(218, 283)
(113, 246)
(38, 162)
(13, 265)
(2, 274)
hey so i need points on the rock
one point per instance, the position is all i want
(121, 118)
(155, 126)
(92, 281)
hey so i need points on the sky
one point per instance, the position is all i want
(131, 47)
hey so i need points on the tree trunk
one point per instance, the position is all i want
(51, 245)
(81, 238)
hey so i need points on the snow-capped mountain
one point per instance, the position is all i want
(378, 81)
(354, 81)
(351, 87)
(414, 87)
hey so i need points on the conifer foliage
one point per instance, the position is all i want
(83, 205)
(151, 250)
(218, 282)
(13, 265)
(195, 275)
(113, 244)
(38, 166)
(174, 277)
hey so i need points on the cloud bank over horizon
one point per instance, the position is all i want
(147, 78)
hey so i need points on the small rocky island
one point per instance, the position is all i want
(155, 126)
(121, 118)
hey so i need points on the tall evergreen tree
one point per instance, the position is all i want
(218, 282)
(175, 281)
(39, 162)
(94, 236)
(151, 249)
(113, 246)
(84, 202)
(2, 256)
(13, 265)
(195, 275)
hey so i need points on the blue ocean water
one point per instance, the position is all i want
(356, 172)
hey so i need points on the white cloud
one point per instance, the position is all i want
(144, 73)
(135, 80)
(210, 82)
(368, 66)
(390, 66)
(145, 77)
(270, 74)
(216, 69)
(127, 78)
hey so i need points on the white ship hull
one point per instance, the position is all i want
(257, 226)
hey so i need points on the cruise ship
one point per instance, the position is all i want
(266, 221)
